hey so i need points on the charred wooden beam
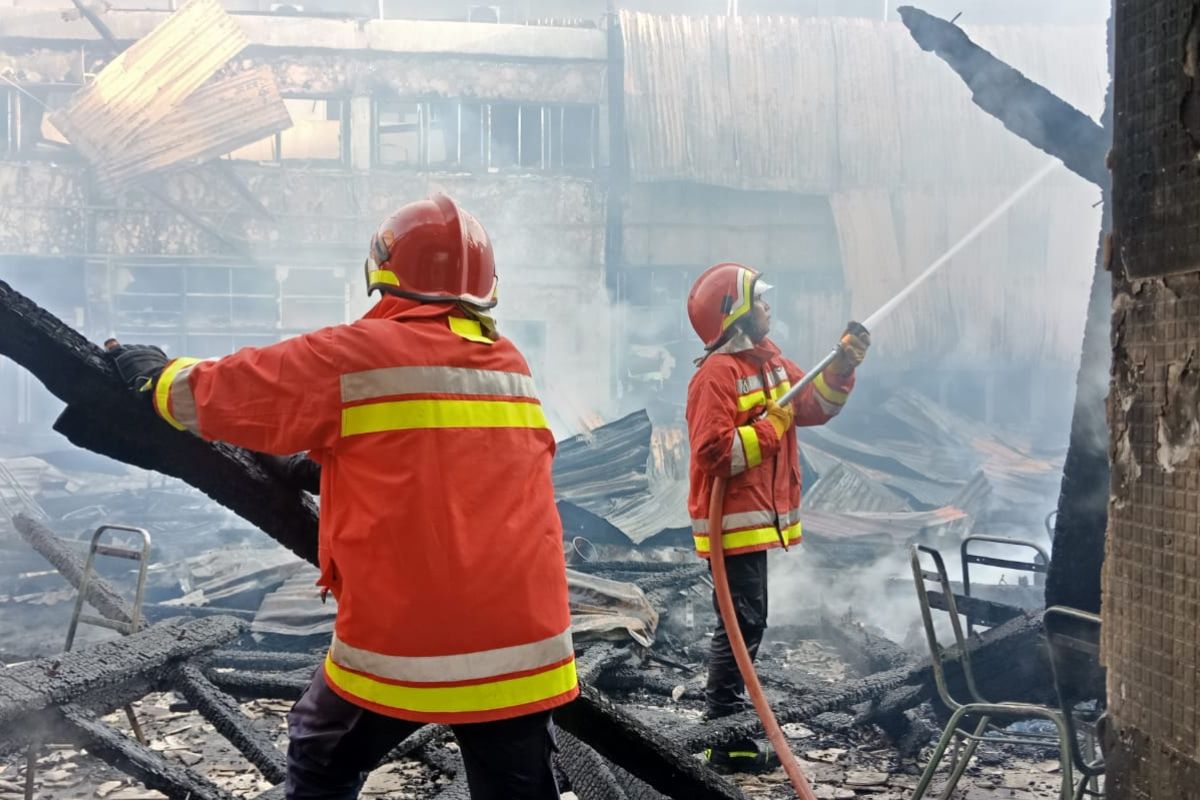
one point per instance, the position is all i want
(103, 597)
(457, 790)
(176, 781)
(590, 776)
(1009, 663)
(981, 612)
(866, 651)
(262, 685)
(104, 416)
(630, 744)
(746, 725)
(223, 713)
(86, 675)
(266, 660)
(1026, 108)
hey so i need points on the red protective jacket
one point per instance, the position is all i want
(439, 534)
(725, 398)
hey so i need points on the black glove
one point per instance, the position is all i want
(298, 472)
(138, 364)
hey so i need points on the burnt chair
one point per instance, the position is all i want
(978, 706)
(1073, 637)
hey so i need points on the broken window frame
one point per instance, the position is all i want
(278, 156)
(551, 143)
(26, 106)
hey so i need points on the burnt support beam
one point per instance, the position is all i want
(1028, 109)
(262, 685)
(1009, 662)
(223, 713)
(104, 416)
(176, 781)
(70, 565)
(588, 773)
(266, 660)
(645, 754)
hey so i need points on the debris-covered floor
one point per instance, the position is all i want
(844, 765)
(842, 662)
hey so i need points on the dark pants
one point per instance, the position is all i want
(748, 584)
(333, 744)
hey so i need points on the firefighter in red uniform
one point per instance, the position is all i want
(737, 430)
(439, 536)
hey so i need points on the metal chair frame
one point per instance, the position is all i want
(968, 558)
(979, 706)
(1059, 643)
(142, 556)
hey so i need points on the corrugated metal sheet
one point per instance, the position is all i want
(148, 82)
(217, 119)
(821, 105)
(855, 110)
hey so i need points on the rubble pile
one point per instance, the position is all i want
(641, 611)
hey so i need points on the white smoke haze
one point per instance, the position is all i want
(580, 337)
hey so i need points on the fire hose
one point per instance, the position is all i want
(716, 504)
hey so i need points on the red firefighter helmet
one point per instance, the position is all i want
(720, 297)
(433, 251)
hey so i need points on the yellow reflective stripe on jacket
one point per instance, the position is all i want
(488, 696)
(759, 398)
(827, 392)
(403, 415)
(747, 538)
(469, 329)
(390, 381)
(165, 391)
(474, 666)
(749, 439)
(750, 538)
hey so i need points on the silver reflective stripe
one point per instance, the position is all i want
(790, 518)
(183, 403)
(752, 383)
(776, 376)
(742, 519)
(392, 381)
(476, 666)
(737, 458)
(828, 408)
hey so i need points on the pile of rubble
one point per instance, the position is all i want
(242, 624)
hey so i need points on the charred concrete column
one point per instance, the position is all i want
(361, 132)
(1151, 605)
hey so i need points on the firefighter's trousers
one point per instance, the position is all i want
(333, 744)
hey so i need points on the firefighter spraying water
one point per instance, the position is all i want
(745, 478)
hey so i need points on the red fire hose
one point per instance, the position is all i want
(716, 510)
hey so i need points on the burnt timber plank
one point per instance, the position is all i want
(223, 712)
(1026, 108)
(28, 690)
(1009, 662)
(103, 597)
(176, 781)
(104, 416)
(634, 747)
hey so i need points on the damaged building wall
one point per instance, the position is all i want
(852, 187)
(270, 241)
(1151, 605)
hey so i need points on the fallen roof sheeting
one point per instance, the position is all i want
(146, 109)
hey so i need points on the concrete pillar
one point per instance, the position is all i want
(361, 132)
